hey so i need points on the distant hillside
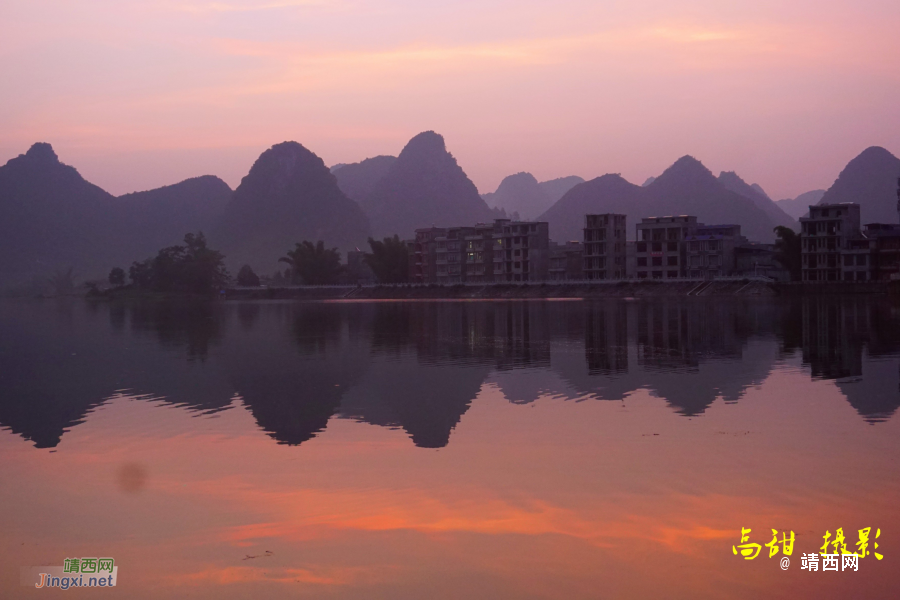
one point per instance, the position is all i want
(160, 217)
(424, 186)
(357, 180)
(51, 219)
(799, 206)
(609, 193)
(557, 188)
(685, 188)
(522, 194)
(870, 180)
(288, 196)
(731, 181)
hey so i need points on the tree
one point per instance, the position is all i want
(389, 260)
(313, 264)
(193, 267)
(788, 251)
(247, 277)
(117, 276)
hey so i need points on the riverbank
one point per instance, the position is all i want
(620, 289)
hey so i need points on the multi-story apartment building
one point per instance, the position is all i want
(502, 251)
(825, 233)
(659, 251)
(711, 250)
(566, 261)
(422, 254)
(604, 246)
(873, 255)
(521, 250)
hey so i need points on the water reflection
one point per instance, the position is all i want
(419, 365)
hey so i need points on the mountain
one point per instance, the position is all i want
(425, 186)
(51, 218)
(288, 196)
(799, 206)
(648, 181)
(731, 181)
(158, 218)
(870, 180)
(685, 188)
(609, 193)
(522, 194)
(556, 188)
(357, 180)
(689, 188)
(519, 193)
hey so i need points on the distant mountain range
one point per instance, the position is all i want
(52, 219)
(685, 188)
(523, 195)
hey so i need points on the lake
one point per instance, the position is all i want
(401, 450)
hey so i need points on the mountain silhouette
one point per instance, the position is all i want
(357, 180)
(288, 196)
(685, 188)
(522, 194)
(158, 218)
(50, 218)
(424, 186)
(608, 193)
(799, 206)
(732, 181)
(870, 180)
(556, 188)
(53, 219)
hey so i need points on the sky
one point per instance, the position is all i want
(141, 94)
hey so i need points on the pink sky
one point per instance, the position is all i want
(140, 94)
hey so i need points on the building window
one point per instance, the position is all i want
(657, 274)
(642, 247)
(672, 261)
(673, 246)
(672, 274)
(642, 262)
(657, 261)
(861, 276)
(642, 275)
(848, 260)
(861, 260)
(657, 247)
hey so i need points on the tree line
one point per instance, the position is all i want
(193, 267)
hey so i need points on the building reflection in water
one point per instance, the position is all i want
(419, 366)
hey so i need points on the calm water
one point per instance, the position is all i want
(566, 450)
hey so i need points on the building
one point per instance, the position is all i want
(711, 250)
(501, 251)
(659, 250)
(824, 235)
(521, 250)
(422, 254)
(566, 261)
(604, 246)
(873, 255)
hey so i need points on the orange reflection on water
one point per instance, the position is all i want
(563, 500)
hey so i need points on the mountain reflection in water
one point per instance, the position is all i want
(419, 365)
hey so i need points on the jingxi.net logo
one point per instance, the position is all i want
(76, 572)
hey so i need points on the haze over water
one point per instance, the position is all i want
(569, 449)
